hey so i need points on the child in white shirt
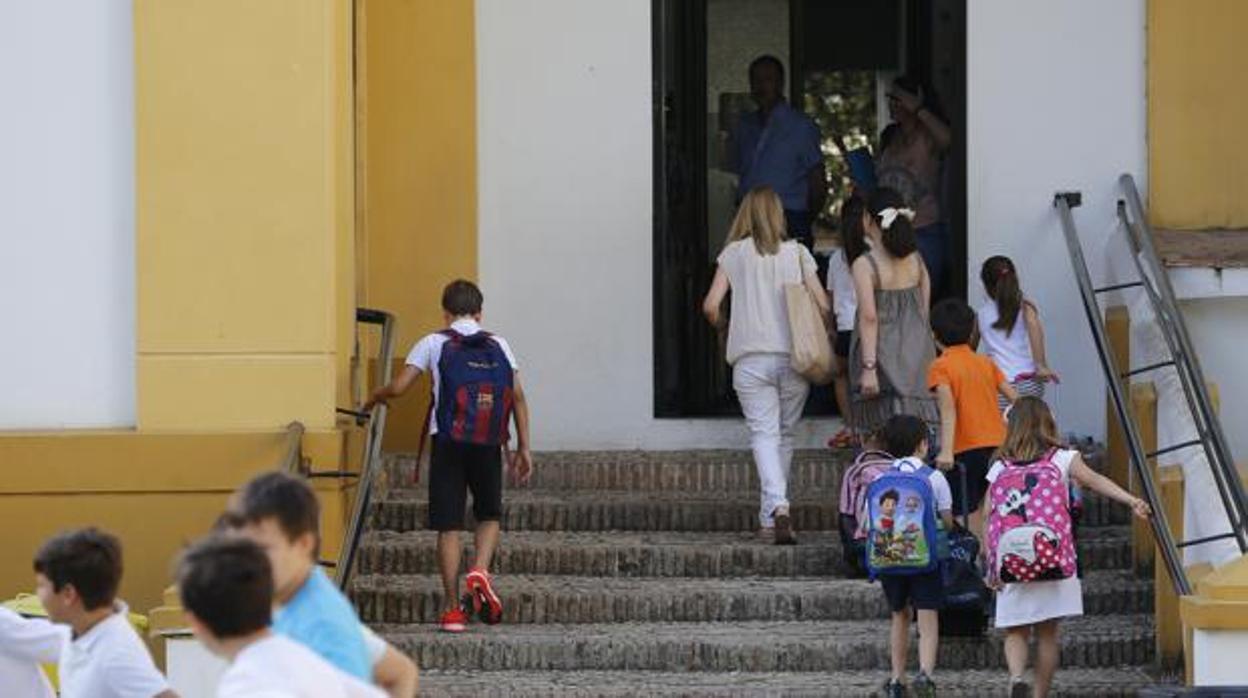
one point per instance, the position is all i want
(840, 285)
(25, 643)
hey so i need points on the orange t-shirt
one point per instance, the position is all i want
(973, 378)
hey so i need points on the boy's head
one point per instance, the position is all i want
(279, 512)
(462, 298)
(905, 435)
(226, 585)
(888, 502)
(77, 572)
(953, 322)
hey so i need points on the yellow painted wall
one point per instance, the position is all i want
(1197, 108)
(417, 178)
(244, 190)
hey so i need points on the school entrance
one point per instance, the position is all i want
(840, 57)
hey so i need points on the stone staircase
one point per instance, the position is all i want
(639, 573)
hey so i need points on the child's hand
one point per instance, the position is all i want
(1044, 374)
(870, 383)
(944, 461)
(991, 581)
(520, 463)
(1141, 508)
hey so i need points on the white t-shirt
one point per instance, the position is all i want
(1012, 352)
(841, 284)
(940, 485)
(25, 643)
(428, 351)
(373, 644)
(759, 322)
(278, 667)
(109, 661)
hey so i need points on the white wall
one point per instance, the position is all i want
(66, 214)
(1055, 101)
(565, 228)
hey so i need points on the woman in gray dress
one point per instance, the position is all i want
(892, 346)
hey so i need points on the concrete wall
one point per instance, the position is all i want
(1055, 102)
(66, 215)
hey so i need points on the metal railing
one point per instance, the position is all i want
(293, 461)
(1156, 283)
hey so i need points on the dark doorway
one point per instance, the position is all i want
(840, 55)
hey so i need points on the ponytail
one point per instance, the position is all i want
(852, 235)
(1001, 282)
(896, 228)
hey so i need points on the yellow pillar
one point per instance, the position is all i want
(1144, 411)
(1118, 329)
(1165, 598)
(244, 187)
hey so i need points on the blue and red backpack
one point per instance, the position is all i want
(475, 389)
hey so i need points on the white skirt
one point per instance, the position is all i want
(1034, 602)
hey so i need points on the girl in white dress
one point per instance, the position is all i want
(1024, 608)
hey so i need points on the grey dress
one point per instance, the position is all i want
(904, 352)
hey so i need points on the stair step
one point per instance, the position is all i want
(580, 510)
(638, 471)
(1070, 683)
(670, 553)
(761, 646)
(573, 600)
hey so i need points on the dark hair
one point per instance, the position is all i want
(902, 434)
(953, 322)
(899, 238)
(890, 494)
(852, 234)
(768, 59)
(228, 584)
(462, 297)
(1001, 282)
(280, 496)
(909, 83)
(88, 558)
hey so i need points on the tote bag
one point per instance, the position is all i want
(811, 354)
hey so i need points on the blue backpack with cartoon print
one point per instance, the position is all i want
(902, 533)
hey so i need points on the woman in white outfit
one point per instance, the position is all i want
(755, 265)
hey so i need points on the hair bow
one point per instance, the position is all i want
(890, 214)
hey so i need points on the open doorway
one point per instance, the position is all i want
(840, 57)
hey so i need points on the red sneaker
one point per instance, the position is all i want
(454, 621)
(484, 601)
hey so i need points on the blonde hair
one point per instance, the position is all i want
(1031, 431)
(760, 217)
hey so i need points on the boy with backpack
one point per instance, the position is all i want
(966, 385)
(903, 506)
(476, 390)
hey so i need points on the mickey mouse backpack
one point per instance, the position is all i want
(1030, 535)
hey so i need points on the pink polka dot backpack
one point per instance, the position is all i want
(1030, 535)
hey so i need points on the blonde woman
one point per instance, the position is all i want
(756, 263)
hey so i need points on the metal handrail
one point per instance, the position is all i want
(1157, 284)
(293, 461)
(1064, 202)
(372, 446)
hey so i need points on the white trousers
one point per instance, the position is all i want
(772, 396)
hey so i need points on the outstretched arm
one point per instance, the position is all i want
(395, 388)
(1104, 486)
(1035, 337)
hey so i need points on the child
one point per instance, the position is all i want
(226, 585)
(76, 577)
(966, 385)
(840, 285)
(1036, 606)
(1016, 347)
(480, 392)
(280, 513)
(25, 643)
(924, 592)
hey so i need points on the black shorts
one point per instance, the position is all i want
(456, 469)
(976, 462)
(925, 592)
(841, 347)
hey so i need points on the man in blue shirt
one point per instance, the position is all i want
(280, 513)
(779, 147)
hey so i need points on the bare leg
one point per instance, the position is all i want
(485, 542)
(899, 642)
(1016, 640)
(929, 640)
(1048, 654)
(840, 390)
(449, 554)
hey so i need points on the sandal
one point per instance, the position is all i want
(842, 439)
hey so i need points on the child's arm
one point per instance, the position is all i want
(715, 296)
(1100, 484)
(948, 424)
(946, 517)
(1008, 391)
(522, 460)
(395, 388)
(868, 325)
(1035, 337)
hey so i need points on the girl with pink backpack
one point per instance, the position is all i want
(1030, 547)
